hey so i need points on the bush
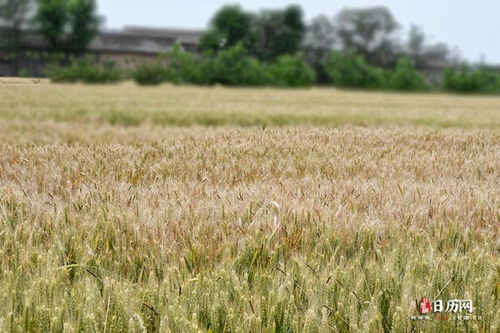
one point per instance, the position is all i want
(58, 73)
(406, 77)
(347, 69)
(466, 80)
(291, 71)
(24, 73)
(108, 72)
(184, 67)
(85, 70)
(149, 74)
(232, 67)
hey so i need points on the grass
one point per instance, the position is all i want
(303, 228)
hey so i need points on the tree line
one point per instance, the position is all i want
(369, 32)
(66, 25)
(357, 48)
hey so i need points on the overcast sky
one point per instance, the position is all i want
(471, 25)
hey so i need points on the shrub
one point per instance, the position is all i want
(149, 74)
(85, 70)
(347, 69)
(406, 77)
(291, 71)
(465, 80)
(233, 67)
(184, 67)
(24, 73)
(58, 73)
(108, 72)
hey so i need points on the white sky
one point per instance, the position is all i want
(471, 25)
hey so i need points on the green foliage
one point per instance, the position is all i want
(85, 70)
(233, 67)
(291, 71)
(279, 32)
(51, 18)
(347, 69)
(67, 25)
(184, 67)
(234, 23)
(231, 25)
(406, 77)
(83, 24)
(24, 72)
(236, 67)
(149, 74)
(60, 74)
(466, 80)
(211, 40)
(267, 35)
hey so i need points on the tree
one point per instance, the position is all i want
(416, 43)
(184, 67)
(348, 69)
(406, 77)
(15, 14)
(52, 19)
(67, 25)
(83, 23)
(267, 36)
(291, 71)
(230, 26)
(468, 80)
(233, 67)
(320, 37)
(369, 32)
(318, 42)
(293, 17)
(212, 40)
(279, 32)
(424, 56)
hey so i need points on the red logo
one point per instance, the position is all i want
(425, 306)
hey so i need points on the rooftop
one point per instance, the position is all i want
(130, 39)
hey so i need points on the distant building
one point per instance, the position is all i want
(127, 47)
(135, 44)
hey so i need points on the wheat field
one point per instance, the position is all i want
(181, 209)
